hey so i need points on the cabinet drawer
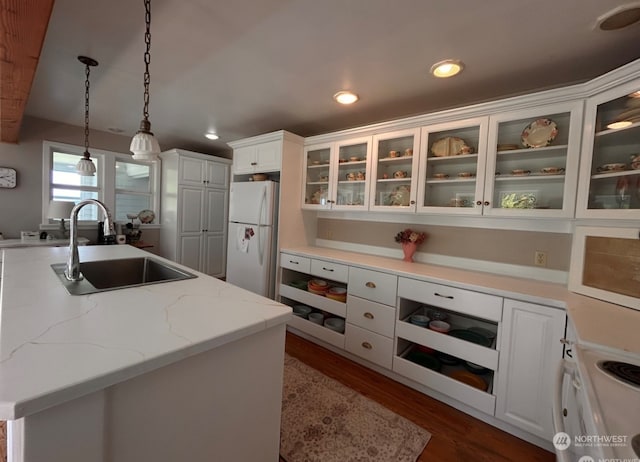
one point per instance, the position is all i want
(368, 345)
(461, 300)
(294, 262)
(373, 285)
(333, 271)
(370, 315)
(323, 333)
(462, 392)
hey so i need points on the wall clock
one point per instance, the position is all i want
(8, 177)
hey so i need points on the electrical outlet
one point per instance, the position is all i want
(540, 258)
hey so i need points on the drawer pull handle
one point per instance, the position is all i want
(450, 297)
(367, 345)
(371, 285)
(368, 315)
(294, 262)
(327, 269)
(254, 163)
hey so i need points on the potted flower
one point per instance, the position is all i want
(410, 240)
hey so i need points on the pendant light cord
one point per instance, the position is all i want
(147, 58)
(87, 85)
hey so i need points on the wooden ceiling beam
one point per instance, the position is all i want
(23, 25)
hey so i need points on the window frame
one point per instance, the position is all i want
(106, 176)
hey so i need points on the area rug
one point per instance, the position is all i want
(325, 421)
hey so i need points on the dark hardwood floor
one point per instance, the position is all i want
(455, 435)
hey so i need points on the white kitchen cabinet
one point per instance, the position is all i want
(609, 178)
(195, 196)
(335, 175)
(530, 352)
(452, 166)
(532, 161)
(394, 171)
(263, 153)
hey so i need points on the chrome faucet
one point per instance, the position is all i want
(72, 273)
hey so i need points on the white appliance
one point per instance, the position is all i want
(598, 411)
(251, 245)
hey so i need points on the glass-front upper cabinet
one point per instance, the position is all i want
(452, 166)
(336, 175)
(532, 161)
(610, 170)
(352, 170)
(394, 171)
(317, 177)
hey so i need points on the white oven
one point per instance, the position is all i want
(598, 412)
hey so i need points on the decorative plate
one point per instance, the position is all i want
(450, 146)
(146, 216)
(518, 200)
(539, 133)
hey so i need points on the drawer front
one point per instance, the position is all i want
(333, 271)
(368, 345)
(373, 285)
(371, 315)
(461, 300)
(294, 262)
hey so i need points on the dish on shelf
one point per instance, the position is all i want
(354, 159)
(146, 216)
(440, 176)
(338, 294)
(318, 286)
(469, 378)
(399, 196)
(335, 324)
(552, 170)
(612, 167)
(448, 359)
(440, 326)
(259, 177)
(539, 133)
(470, 336)
(437, 315)
(316, 318)
(518, 199)
(424, 359)
(318, 196)
(323, 178)
(419, 320)
(466, 175)
(635, 161)
(508, 147)
(450, 146)
(482, 331)
(302, 310)
(301, 284)
(471, 367)
(520, 172)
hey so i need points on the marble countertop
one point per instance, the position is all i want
(15, 243)
(596, 322)
(55, 347)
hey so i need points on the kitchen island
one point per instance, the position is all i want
(183, 370)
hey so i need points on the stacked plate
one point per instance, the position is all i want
(318, 286)
(338, 294)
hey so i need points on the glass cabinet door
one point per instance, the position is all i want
(610, 175)
(532, 164)
(317, 173)
(394, 171)
(452, 166)
(352, 172)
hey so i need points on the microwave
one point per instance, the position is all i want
(605, 264)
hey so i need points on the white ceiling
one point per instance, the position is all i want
(247, 67)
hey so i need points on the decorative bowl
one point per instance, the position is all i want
(440, 326)
(335, 324)
(419, 320)
(260, 177)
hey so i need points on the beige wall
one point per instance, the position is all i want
(20, 208)
(502, 246)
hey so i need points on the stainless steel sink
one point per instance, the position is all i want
(103, 275)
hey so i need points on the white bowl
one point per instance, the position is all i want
(317, 318)
(336, 324)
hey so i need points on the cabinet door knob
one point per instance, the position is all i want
(412, 202)
(450, 297)
(254, 163)
(371, 285)
(486, 202)
(367, 345)
(328, 269)
(478, 202)
(368, 315)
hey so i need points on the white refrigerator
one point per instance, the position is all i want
(251, 247)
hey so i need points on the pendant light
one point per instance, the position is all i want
(144, 145)
(86, 167)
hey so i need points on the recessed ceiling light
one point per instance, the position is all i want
(620, 17)
(447, 68)
(211, 136)
(620, 124)
(345, 97)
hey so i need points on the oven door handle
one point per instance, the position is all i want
(564, 368)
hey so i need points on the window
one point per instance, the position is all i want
(124, 185)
